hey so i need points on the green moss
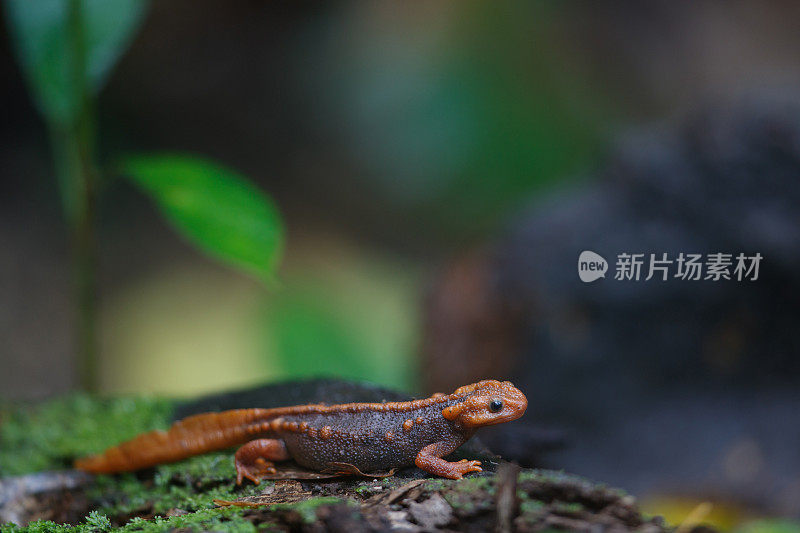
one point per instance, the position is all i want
(48, 436)
(190, 485)
(544, 475)
(208, 468)
(468, 494)
(531, 506)
(568, 507)
(229, 519)
(365, 489)
(435, 484)
(474, 483)
(95, 522)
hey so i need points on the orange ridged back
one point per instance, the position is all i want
(191, 436)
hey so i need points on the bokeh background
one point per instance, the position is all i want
(404, 143)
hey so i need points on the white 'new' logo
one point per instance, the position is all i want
(591, 266)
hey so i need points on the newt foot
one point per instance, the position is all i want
(465, 466)
(254, 470)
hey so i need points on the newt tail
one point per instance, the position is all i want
(353, 437)
(191, 436)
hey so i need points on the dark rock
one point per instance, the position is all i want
(656, 383)
(56, 496)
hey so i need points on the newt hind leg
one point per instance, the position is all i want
(255, 459)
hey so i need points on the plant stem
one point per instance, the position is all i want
(74, 148)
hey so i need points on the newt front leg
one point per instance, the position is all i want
(430, 460)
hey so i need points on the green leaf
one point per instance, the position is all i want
(44, 39)
(215, 208)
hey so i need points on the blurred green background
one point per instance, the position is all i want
(384, 138)
(387, 136)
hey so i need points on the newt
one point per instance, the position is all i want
(352, 438)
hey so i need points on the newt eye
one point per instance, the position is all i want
(495, 405)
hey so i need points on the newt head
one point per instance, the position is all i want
(487, 403)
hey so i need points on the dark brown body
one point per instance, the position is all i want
(358, 437)
(370, 440)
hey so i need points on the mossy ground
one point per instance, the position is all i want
(49, 436)
(181, 496)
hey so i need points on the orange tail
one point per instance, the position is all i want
(190, 436)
